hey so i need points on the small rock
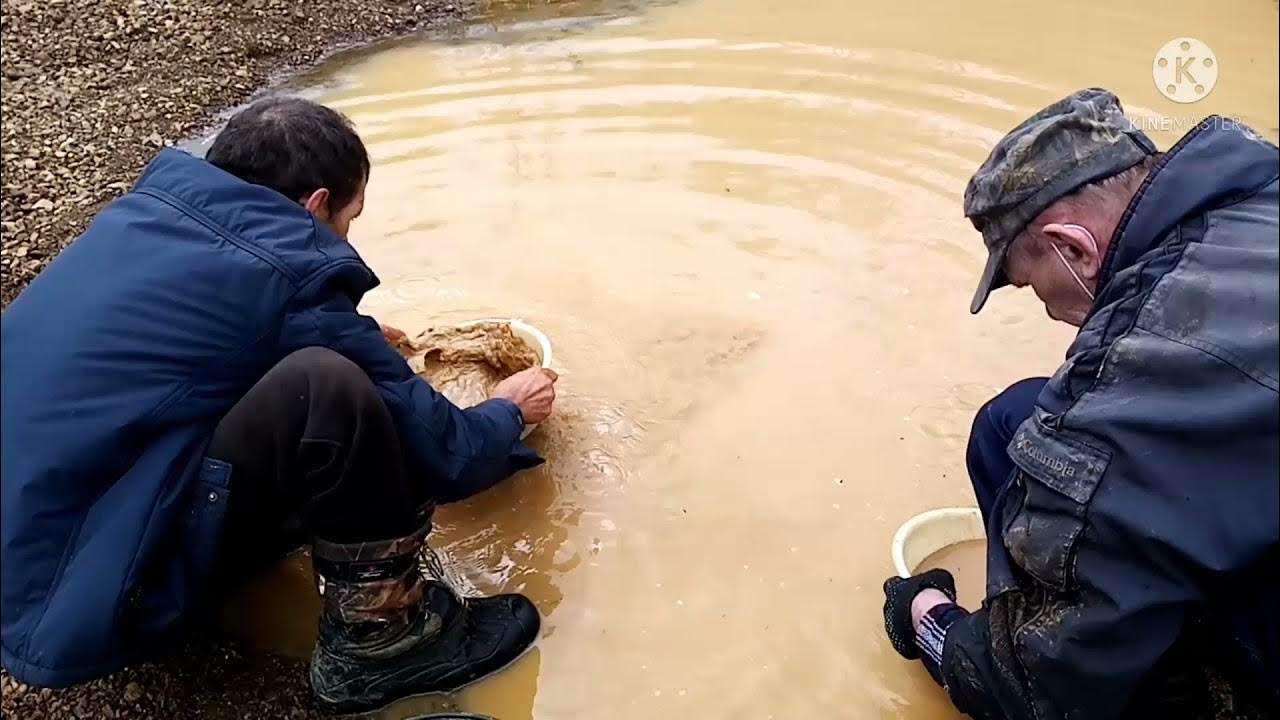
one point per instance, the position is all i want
(132, 692)
(43, 204)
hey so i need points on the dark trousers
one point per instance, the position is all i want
(314, 454)
(990, 468)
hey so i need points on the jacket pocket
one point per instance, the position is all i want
(180, 568)
(1058, 475)
(207, 512)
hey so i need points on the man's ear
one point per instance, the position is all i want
(317, 203)
(1078, 246)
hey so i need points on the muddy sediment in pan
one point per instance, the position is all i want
(466, 362)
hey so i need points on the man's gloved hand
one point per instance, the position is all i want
(898, 594)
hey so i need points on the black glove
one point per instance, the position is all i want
(898, 594)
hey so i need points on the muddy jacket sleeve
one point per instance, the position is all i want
(461, 452)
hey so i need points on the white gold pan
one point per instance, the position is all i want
(929, 532)
(531, 335)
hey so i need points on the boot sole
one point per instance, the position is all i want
(377, 712)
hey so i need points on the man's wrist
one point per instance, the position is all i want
(923, 602)
(931, 635)
(519, 412)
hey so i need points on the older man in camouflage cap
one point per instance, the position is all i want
(1131, 499)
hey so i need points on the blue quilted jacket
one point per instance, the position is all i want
(119, 360)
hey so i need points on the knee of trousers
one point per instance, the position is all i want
(1002, 414)
(996, 421)
(327, 372)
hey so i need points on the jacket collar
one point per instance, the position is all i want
(1213, 165)
(255, 213)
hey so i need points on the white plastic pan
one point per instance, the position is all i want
(531, 335)
(929, 532)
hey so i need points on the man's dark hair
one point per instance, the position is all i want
(294, 147)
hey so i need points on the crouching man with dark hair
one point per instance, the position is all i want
(189, 392)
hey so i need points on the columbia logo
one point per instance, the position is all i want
(1057, 465)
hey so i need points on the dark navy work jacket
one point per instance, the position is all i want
(1136, 570)
(119, 360)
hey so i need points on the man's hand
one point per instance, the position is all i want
(900, 594)
(532, 390)
(394, 336)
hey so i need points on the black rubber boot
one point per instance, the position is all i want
(387, 633)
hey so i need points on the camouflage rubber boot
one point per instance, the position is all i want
(388, 633)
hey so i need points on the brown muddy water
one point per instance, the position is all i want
(739, 223)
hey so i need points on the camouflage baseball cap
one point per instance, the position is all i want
(1080, 139)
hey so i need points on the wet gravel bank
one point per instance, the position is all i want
(91, 90)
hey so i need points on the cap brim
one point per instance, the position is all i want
(992, 278)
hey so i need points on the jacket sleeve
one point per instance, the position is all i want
(461, 452)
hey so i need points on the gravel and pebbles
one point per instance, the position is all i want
(91, 90)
